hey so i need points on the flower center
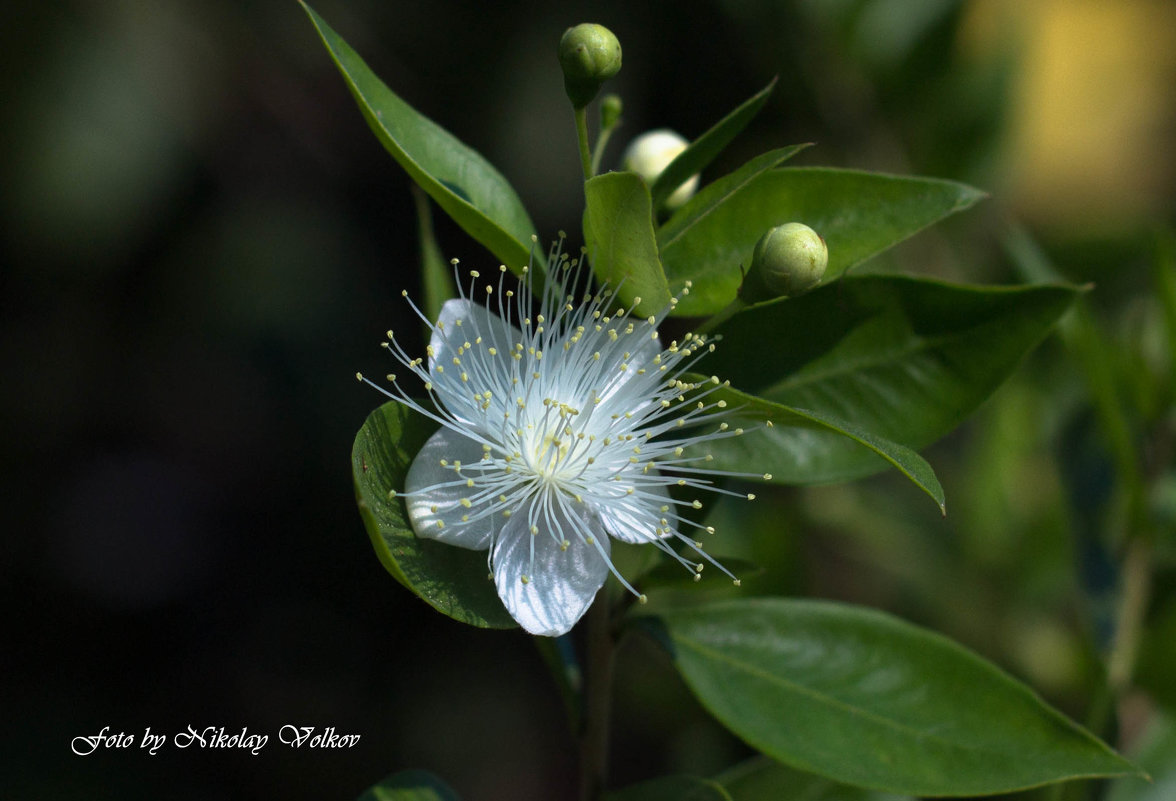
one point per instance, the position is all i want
(551, 446)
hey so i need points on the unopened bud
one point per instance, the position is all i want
(589, 55)
(610, 111)
(787, 261)
(649, 154)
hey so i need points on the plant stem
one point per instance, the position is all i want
(582, 136)
(1136, 578)
(722, 316)
(598, 667)
(601, 143)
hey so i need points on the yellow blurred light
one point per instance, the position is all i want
(1093, 117)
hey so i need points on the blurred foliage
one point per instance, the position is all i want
(201, 244)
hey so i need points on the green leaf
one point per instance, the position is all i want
(672, 788)
(859, 214)
(462, 183)
(905, 359)
(763, 779)
(718, 192)
(618, 230)
(667, 574)
(451, 580)
(864, 698)
(791, 429)
(703, 150)
(410, 785)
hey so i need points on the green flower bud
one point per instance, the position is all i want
(589, 55)
(610, 111)
(787, 261)
(649, 154)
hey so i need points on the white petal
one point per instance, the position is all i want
(476, 321)
(426, 474)
(561, 584)
(636, 518)
(461, 322)
(629, 390)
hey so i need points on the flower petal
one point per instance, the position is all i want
(490, 340)
(430, 485)
(635, 518)
(642, 347)
(561, 583)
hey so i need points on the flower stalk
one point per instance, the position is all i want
(598, 678)
(582, 137)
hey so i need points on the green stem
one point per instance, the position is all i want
(598, 153)
(598, 675)
(582, 136)
(1136, 578)
(729, 311)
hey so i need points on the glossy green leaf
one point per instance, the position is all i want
(618, 230)
(703, 150)
(672, 788)
(763, 779)
(905, 359)
(718, 192)
(464, 185)
(777, 449)
(410, 785)
(451, 580)
(864, 698)
(859, 214)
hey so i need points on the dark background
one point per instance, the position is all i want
(202, 243)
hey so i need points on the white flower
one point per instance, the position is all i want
(558, 431)
(650, 153)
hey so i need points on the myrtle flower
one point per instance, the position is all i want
(559, 430)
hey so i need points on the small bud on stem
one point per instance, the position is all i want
(787, 261)
(589, 55)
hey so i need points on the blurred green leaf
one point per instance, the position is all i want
(867, 699)
(1157, 755)
(1094, 351)
(703, 150)
(785, 446)
(905, 359)
(618, 230)
(410, 785)
(1157, 654)
(859, 214)
(668, 574)
(464, 185)
(451, 580)
(672, 788)
(763, 779)
(1165, 277)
